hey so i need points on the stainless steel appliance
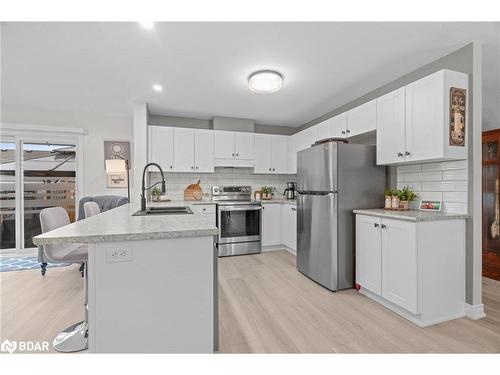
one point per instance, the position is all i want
(290, 191)
(333, 178)
(239, 220)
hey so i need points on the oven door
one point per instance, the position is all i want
(239, 223)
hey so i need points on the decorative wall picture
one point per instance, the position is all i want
(458, 100)
(117, 150)
(117, 180)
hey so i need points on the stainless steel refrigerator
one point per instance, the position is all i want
(333, 178)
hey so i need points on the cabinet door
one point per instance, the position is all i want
(223, 144)
(338, 126)
(362, 119)
(425, 118)
(263, 153)
(292, 154)
(391, 127)
(368, 253)
(278, 153)
(183, 150)
(399, 263)
(304, 139)
(161, 146)
(286, 225)
(244, 145)
(293, 237)
(204, 151)
(271, 227)
(322, 130)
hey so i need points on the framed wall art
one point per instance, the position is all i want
(458, 102)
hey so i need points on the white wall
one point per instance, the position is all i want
(99, 128)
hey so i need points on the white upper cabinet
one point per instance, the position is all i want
(161, 146)
(263, 153)
(234, 149)
(224, 144)
(244, 145)
(204, 151)
(322, 130)
(391, 127)
(362, 119)
(183, 150)
(297, 142)
(270, 153)
(427, 121)
(279, 149)
(338, 126)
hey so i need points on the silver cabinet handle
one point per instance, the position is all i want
(400, 154)
(294, 209)
(196, 167)
(376, 225)
(343, 131)
(237, 154)
(191, 167)
(233, 154)
(269, 169)
(348, 131)
(384, 226)
(407, 153)
(274, 169)
(171, 167)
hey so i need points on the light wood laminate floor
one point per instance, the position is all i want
(265, 306)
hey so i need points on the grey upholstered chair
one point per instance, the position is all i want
(105, 203)
(73, 338)
(91, 209)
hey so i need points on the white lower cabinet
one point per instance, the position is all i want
(368, 253)
(416, 269)
(289, 226)
(271, 224)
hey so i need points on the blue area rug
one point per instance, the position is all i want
(25, 263)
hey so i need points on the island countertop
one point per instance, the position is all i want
(119, 225)
(411, 215)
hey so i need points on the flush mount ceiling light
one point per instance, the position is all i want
(158, 88)
(147, 25)
(265, 81)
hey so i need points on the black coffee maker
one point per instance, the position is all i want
(290, 192)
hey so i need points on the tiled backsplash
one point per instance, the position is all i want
(444, 181)
(177, 182)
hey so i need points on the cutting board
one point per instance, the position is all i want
(193, 192)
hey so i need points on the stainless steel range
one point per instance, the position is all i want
(239, 220)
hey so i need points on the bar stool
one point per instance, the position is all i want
(75, 337)
(91, 209)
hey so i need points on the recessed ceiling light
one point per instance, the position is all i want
(265, 81)
(147, 25)
(158, 88)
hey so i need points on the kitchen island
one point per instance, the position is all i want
(152, 281)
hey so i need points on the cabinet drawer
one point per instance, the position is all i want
(203, 208)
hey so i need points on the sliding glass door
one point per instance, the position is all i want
(34, 175)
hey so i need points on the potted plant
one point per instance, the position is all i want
(388, 199)
(405, 196)
(395, 199)
(155, 194)
(267, 192)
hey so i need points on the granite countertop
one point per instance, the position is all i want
(412, 215)
(119, 225)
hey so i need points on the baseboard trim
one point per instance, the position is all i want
(474, 312)
(279, 247)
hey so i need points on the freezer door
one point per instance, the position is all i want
(317, 168)
(317, 238)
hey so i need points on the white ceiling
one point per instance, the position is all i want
(203, 67)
